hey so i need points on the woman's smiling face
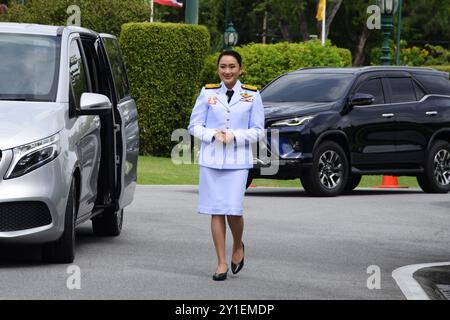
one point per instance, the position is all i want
(229, 70)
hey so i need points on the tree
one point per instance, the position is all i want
(287, 20)
(350, 30)
(294, 21)
(426, 21)
(100, 15)
(286, 16)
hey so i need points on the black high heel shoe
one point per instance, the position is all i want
(220, 276)
(235, 268)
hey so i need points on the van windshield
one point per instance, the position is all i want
(29, 66)
(307, 87)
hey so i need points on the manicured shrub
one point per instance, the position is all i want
(428, 55)
(437, 55)
(99, 15)
(262, 63)
(164, 61)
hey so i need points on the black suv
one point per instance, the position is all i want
(337, 124)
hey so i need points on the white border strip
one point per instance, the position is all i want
(409, 286)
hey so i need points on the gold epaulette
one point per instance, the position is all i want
(212, 86)
(249, 87)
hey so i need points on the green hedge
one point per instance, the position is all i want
(262, 63)
(164, 61)
(428, 55)
(99, 15)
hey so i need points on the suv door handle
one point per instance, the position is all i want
(387, 115)
(431, 113)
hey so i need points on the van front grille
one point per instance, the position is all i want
(15, 216)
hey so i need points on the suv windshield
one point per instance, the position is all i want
(309, 87)
(29, 67)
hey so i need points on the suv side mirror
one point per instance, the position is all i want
(92, 104)
(361, 99)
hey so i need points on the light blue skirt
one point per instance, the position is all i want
(221, 191)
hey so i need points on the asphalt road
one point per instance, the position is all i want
(297, 247)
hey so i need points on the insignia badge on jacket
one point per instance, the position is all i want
(212, 100)
(246, 97)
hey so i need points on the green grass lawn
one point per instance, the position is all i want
(156, 170)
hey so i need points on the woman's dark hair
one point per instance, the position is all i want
(232, 53)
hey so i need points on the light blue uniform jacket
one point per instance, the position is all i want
(243, 116)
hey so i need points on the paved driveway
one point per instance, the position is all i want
(297, 247)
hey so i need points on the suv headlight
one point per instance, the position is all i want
(31, 156)
(292, 122)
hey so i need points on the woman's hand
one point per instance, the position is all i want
(224, 136)
(229, 136)
(220, 136)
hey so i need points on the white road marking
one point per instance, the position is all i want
(409, 286)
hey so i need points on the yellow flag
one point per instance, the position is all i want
(320, 10)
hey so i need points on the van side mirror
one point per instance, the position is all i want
(361, 99)
(93, 104)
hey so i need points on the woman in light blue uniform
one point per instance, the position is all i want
(227, 117)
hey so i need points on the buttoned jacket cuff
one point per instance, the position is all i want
(239, 138)
(208, 135)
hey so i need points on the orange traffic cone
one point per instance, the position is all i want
(390, 182)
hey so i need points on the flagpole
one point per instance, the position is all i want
(324, 21)
(151, 10)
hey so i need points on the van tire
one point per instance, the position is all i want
(63, 250)
(108, 224)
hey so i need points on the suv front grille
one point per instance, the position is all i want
(15, 216)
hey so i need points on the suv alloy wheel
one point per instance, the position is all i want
(328, 174)
(436, 176)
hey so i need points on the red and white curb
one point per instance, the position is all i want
(409, 286)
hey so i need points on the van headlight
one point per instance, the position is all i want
(31, 156)
(292, 122)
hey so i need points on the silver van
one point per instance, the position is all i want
(69, 137)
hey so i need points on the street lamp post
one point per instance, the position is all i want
(230, 35)
(399, 28)
(387, 10)
(191, 13)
